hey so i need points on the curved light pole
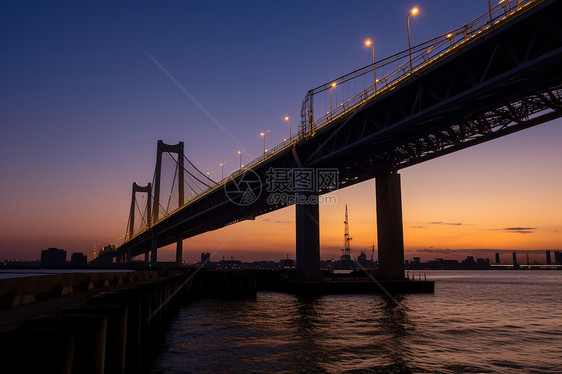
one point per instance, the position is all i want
(412, 12)
(369, 43)
(287, 118)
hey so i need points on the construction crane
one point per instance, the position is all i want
(346, 239)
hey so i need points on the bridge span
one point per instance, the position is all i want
(496, 75)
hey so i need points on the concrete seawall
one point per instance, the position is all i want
(99, 322)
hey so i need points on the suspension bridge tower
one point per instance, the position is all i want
(177, 149)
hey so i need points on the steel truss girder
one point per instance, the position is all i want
(498, 74)
(511, 117)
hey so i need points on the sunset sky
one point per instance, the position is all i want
(83, 103)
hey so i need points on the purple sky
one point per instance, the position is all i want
(82, 105)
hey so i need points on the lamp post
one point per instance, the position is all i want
(263, 135)
(333, 85)
(412, 12)
(240, 154)
(287, 118)
(369, 43)
(222, 171)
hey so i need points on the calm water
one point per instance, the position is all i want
(477, 321)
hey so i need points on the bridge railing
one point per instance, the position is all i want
(337, 98)
(354, 89)
(347, 93)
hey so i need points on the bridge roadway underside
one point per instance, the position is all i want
(506, 80)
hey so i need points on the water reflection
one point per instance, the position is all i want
(351, 334)
(307, 325)
(395, 328)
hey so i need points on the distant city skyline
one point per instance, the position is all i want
(83, 103)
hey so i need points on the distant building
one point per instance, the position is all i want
(205, 257)
(514, 259)
(483, 263)
(557, 258)
(363, 261)
(287, 263)
(108, 248)
(548, 260)
(53, 257)
(230, 265)
(497, 258)
(79, 259)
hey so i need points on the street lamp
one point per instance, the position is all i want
(369, 43)
(222, 171)
(263, 135)
(412, 12)
(333, 85)
(240, 154)
(287, 118)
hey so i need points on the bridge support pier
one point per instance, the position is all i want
(389, 227)
(307, 239)
(179, 251)
(153, 249)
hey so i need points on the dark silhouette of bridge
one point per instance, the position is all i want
(496, 75)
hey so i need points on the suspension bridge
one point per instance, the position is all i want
(498, 74)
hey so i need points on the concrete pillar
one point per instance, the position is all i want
(148, 190)
(90, 337)
(308, 239)
(179, 251)
(153, 248)
(115, 335)
(131, 299)
(389, 227)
